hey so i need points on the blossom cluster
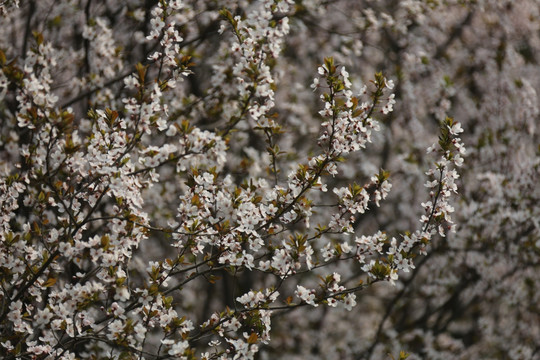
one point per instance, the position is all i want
(185, 179)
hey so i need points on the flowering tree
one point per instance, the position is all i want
(176, 176)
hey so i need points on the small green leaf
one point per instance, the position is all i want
(50, 282)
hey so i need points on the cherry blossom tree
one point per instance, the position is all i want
(269, 179)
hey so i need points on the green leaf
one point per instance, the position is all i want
(50, 282)
(2, 58)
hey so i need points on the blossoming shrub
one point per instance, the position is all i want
(226, 180)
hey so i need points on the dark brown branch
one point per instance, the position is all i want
(31, 11)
